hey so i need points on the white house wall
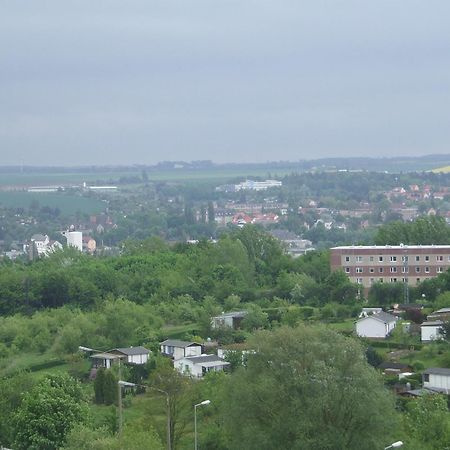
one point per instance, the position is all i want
(178, 353)
(430, 333)
(438, 381)
(370, 327)
(193, 351)
(138, 359)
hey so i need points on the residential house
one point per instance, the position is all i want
(198, 366)
(431, 331)
(89, 244)
(230, 320)
(132, 355)
(241, 219)
(395, 368)
(378, 325)
(41, 245)
(437, 378)
(295, 245)
(365, 312)
(176, 349)
(441, 314)
(106, 359)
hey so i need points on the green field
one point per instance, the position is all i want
(214, 174)
(60, 178)
(77, 178)
(68, 204)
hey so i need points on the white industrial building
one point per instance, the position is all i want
(250, 185)
(74, 239)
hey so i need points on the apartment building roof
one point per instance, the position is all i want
(391, 247)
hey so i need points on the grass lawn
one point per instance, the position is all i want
(345, 325)
(178, 331)
(28, 361)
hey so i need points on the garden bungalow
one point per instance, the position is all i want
(133, 355)
(431, 331)
(176, 349)
(377, 325)
(198, 366)
(437, 378)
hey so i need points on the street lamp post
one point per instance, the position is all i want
(128, 384)
(203, 403)
(394, 445)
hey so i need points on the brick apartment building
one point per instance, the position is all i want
(410, 264)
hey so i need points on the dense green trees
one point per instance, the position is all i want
(307, 388)
(427, 423)
(425, 230)
(48, 412)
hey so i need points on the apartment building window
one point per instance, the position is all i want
(405, 280)
(380, 259)
(347, 259)
(393, 270)
(417, 269)
(359, 270)
(380, 269)
(439, 258)
(418, 280)
(380, 280)
(439, 270)
(393, 280)
(359, 280)
(372, 280)
(405, 269)
(359, 259)
(371, 270)
(393, 258)
(427, 258)
(404, 259)
(417, 258)
(427, 270)
(347, 270)
(371, 258)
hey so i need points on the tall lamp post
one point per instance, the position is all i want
(394, 445)
(203, 403)
(128, 384)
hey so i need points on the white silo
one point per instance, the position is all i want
(74, 239)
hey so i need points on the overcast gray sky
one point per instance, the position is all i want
(140, 81)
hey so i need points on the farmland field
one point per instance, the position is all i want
(67, 204)
(16, 179)
(21, 180)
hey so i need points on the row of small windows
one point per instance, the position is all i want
(396, 258)
(394, 269)
(381, 280)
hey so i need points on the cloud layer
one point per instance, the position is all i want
(114, 82)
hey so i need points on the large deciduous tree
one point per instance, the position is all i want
(48, 412)
(307, 388)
